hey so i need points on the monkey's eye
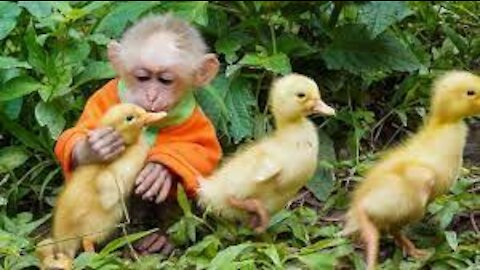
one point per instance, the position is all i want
(471, 92)
(301, 95)
(165, 81)
(143, 78)
(129, 118)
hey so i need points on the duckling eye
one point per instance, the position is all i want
(300, 95)
(470, 93)
(129, 118)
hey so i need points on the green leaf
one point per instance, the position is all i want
(353, 51)
(10, 62)
(36, 54)
(240, 103)
(193, 11)
(292, 45)
(18, 87)
(115, 22)
(228, 46)
(318, 261)
(8, 17)
(23, 135)
(224, 259)
(11, 157)
(91, 7)
(50, 116)
(272, 253)
(212, 100)
(322, 183)
(183, 200)
(379, 15)
(122, 241)
(278, 63)
(456, 38)
(452, 240)
(12, 108)
(39, 9)
(96, 70)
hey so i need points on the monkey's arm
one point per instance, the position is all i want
(95, 107)
(189, 149)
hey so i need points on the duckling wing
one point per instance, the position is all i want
(266, 168)
(109, 189)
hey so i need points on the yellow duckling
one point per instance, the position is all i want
(265, 175)
(91, 204)
(396, 191)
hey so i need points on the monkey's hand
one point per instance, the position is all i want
(101, 144)
(154, 182)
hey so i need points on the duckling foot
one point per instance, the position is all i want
(57, 262)
(88, 245)
(260, 220)
(408, 247)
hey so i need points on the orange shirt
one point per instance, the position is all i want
(189, 148)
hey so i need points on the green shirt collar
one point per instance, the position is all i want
(177, 115)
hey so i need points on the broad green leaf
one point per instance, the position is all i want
(379, 15)
(212, 100)
(318, 261)
(224, 259)
(272, 253)
(228, 46)
(11, 157)
(322, 183)
(292, 45)
(91, 7)
(50, 116)
(12, 108)
(9, 12)
(10, 62)
(183, 200)
(76, 53)
(240, 103)
(96, 70)
(125, 12)
(18, 87)
(447, 213)
(278, 63)
(452, 240)
(39, 9)
(193, 11)
(22, 134)
(353, 51)
(122, 241)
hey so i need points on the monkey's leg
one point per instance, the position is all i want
(253, 206)
(408, 247)
(88, 245)
(370, 236)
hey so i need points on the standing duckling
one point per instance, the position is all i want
(264, 176)
(396, 191)
(91, 205)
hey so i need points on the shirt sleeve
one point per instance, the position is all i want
(95, 107)
(190, 150)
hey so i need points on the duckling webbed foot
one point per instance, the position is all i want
(260, 218)
(88, 245)
(408, 247)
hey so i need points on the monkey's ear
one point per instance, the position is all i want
(207, 71)
(114, 55)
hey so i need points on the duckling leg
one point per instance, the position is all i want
(370, 236)
(408, 247)
(88, 245)
(253, 206)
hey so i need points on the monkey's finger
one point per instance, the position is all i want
(115, 153)
(157, 245)
(162, 196)
(145, 243)
(107, 141)
(167, 249)
(146, 170)
(148, 181)
(106, 150)
(159, 179)
(97, 134)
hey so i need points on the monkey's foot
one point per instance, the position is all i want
(88, 245)
(154, 243)
(261, 218)
(408, 247)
